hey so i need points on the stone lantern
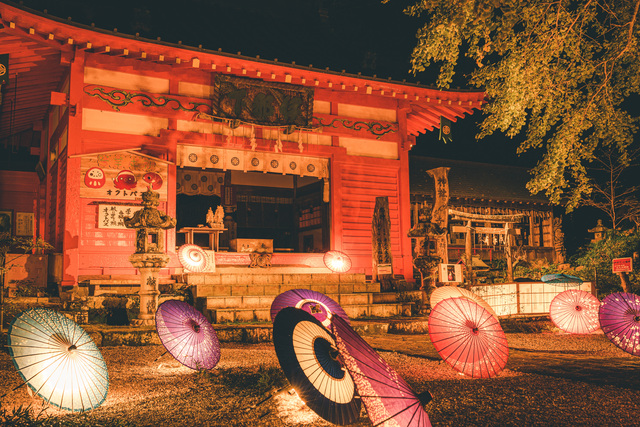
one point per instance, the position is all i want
(149, 256)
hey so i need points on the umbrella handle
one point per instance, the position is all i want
(158, 358)
(274, 394)
(14, 389)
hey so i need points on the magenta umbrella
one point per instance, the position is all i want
(187, 335)
(468, 337)
(315, 303)
(389, 400)
(575, 311)
(620, 320)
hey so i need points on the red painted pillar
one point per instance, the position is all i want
(72, 209)
(404, 195)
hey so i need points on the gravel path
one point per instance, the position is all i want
(550, 379)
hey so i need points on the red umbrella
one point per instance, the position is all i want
(575, 311)
(468, 337)
(389, 400)
(192, 257)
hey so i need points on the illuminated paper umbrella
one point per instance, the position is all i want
(318, 304)
(337, 261)
(387, 397)
(187, 335)
(192, 257)
(445, 292)
(620, 320)
(575, 311)
(468, 337)
(308, 357)
(58, 360)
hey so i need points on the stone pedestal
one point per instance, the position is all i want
(149, 265)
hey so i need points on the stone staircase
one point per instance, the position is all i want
(236, 294)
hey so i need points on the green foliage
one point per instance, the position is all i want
(256, 382)
(559, 72)
(29, 416)
(596, 258)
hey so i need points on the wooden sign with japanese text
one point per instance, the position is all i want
(112, 216)
(121, 176)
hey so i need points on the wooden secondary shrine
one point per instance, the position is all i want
(118, 113)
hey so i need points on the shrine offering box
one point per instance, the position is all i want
(251, 245)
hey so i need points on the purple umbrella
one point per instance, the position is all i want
(187, 335)
(620, 320)
(387, 397)
(308, 357)
(319, 305)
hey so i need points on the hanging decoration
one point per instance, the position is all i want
(278, 144)
(252, 139)
(230, 159)
(300, 146)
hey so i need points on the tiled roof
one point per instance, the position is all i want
(474, 180)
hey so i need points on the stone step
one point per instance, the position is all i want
(253, 276)
(265, 301)
(228, 315)
(274, 289)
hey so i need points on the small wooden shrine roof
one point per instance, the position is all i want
(474, 181)
(41, 48)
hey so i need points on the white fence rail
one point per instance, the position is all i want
(525, 298)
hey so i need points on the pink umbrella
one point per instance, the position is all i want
(389, 400)
(575, 311)
(620, 320)
(468, 337)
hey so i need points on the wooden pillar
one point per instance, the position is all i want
(508, 251)
(467, 254)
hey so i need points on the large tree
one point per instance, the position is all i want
(559, 72)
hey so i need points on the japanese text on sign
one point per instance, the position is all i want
(622, 265)
(112, 216)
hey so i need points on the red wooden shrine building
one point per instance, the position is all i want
(296, 156)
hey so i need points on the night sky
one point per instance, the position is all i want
(353, 35)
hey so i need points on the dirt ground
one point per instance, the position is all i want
(551, 379)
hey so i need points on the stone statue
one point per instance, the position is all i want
(149, 256)
(209, 218)
(215, 220)
(558, 240)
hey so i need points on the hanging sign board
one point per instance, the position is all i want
(263, 103)
(622, 265)
(451, 273)
(121, 176)
(4, 68)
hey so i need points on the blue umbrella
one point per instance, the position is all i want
(58, 360)
(561, 278)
